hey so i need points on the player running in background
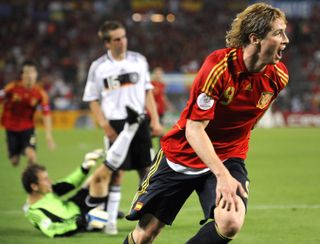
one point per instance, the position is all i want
(159, 92)
(161, 99)
(206, 149)
(21, 99)
(115, 80)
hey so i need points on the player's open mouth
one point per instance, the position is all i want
(279, 53)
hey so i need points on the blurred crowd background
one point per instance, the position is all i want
(174, 34)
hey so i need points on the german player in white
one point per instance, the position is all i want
(117, 79)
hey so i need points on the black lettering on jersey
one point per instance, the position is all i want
(114, 82)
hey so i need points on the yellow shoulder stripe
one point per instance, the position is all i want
(284, 78)
(217, 71)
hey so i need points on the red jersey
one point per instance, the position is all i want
(20, 104)
(232, 99)
(159, 93)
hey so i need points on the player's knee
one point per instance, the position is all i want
(15, 160)
(146, 236)
(230, 227)
(31, 155)
(101, 175)
(229, 224)
(148, 229)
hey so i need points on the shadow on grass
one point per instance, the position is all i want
(19, 235)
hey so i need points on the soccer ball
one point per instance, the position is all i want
(97, 219)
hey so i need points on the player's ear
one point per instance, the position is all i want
(34, 187)
(254, 39)
(107, 44)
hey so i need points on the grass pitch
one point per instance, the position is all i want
(284, 199)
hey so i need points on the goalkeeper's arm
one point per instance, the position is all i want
(55, 227)
(76, 178)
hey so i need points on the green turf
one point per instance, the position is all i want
(284, 201)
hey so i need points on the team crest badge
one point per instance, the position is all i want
(204, 101)
(33, 102)
(16, 98)
(138, 206)
(264, 100)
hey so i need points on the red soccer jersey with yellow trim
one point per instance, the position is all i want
(232, 99)
(20, 104)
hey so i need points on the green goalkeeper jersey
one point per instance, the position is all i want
(53, 215)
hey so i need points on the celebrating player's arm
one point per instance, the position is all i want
(227, 186)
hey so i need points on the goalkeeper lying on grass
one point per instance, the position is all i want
(52, 215)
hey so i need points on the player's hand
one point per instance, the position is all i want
(110, 133)
(51, 144)
(156, 128)
(91, 157)
(226, 192)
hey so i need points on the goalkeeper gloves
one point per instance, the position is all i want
(91, 158)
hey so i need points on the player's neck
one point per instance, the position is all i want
(34, 197)
(28, 84)
(252, 60)
(118, 56)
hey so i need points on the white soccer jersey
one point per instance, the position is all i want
(118, 83)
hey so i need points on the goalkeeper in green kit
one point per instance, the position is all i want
(54, 216)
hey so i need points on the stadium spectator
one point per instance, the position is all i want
(117, 79)
(206, 149)
(21, 99)
(48, 212)
(59, 36)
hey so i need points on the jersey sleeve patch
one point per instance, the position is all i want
(204, 101)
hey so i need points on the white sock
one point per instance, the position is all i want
(113, 203)
(119, 149)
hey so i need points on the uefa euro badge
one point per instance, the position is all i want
(265, 99)
(204, 101)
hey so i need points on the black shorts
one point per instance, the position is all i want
(139, 156)
(17, 141)
(164, 191)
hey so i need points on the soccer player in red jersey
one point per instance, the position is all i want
(159, 92)
(206, 149)
(21, 99)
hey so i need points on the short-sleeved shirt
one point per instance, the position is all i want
(20, 104)
(159, 96)
(232, 99)
(118, 83)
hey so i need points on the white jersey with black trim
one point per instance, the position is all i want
(118, 83)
